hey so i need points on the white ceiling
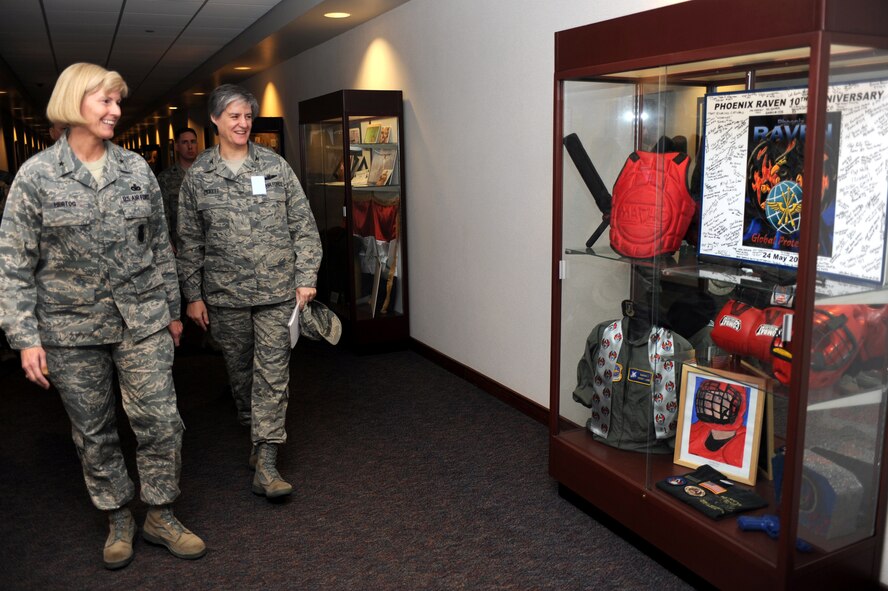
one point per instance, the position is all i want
(162, 48)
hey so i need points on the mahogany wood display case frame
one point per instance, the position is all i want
(624, 83)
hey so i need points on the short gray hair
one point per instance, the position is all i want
(226, 94)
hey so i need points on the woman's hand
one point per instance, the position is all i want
(175, 329)
(34, 364)
(305, 295)
(197, 311)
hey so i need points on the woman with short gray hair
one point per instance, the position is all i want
(248, 254)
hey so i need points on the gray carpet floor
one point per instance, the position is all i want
(406, 477)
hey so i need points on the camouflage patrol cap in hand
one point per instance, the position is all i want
(318, 322)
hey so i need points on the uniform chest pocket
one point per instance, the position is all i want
(221, 219)
(215, 214)
(67, 248)
(67, 235)
(273, 214)
(209, 204)
(67, 216)
(141, 209)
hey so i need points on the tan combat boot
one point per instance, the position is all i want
(162, 528)
(267, 480)
(119, 546)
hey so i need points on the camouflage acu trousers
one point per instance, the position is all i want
(84, 379)
(255, 343)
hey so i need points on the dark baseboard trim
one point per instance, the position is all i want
(495, 389)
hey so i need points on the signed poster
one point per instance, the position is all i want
(753, 179)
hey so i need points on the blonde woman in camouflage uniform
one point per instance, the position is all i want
(249, 251)
(88, 285)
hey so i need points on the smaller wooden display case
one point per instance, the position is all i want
(352, 152)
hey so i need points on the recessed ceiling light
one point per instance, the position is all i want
(173, 108)
(199, 94)
(243, 68)
(337, 14)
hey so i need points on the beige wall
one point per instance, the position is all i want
(477, 82)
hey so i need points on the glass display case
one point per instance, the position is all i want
(713, 307)
(353, 174)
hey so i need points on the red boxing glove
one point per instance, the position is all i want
(735, 326)
(762, 337)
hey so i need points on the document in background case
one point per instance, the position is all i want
(371, 134)
(293, 325)
(382, 160)
(361, 178)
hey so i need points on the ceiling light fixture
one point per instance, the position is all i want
(243, 68)
(337, 14)
(199, 93)
(173, 108)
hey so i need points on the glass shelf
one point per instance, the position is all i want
(381, 188)
(387, 188)
(685, 265)
(360, 146)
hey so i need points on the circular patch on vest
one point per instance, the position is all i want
(695, 491)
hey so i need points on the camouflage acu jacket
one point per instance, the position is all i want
(238, 247)
(79, 261)
(170, 180)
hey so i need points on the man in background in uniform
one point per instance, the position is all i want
(170, 180)
(185, 144)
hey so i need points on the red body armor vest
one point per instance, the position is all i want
(643, 225)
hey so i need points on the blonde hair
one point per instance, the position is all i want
(74, 83)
